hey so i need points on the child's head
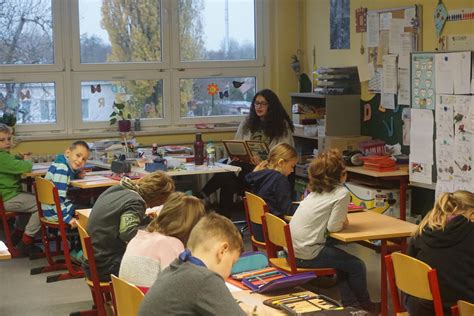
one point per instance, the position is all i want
(448, 205)
(5, 137)
(77, 154)
(217, 242)
(155, 188)
(281, 158)
(326, 171)
(179, 215)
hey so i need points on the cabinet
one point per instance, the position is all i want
(342, 118)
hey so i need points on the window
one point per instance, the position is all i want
(157, 57)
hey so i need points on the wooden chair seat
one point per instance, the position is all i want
(49, 223)
(282, 264)
(465, 308)
(101, 284)
(256, 242)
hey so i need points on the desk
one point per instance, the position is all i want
(374, 226)
(255, 299)
(400, 175)
(5, 255)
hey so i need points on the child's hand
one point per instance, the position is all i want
(73, 223)
(81, 174)
(254, 160)
(25, 156)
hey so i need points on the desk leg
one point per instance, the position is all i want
(383, 278)
(403, 198)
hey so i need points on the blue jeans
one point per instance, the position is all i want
(351, 274)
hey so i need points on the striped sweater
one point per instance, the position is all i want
(60, 173)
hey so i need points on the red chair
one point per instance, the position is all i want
(101, 291)
(277, 236)
(414, 278)
(47, 193)
(255, 207)
(5, 216)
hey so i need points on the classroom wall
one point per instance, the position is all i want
(285, 28)
(316, 30)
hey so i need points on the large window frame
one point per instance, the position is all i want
(67, 72)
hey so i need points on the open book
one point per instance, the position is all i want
(244, 150)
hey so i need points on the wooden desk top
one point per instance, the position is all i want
(373, 226)
(403, 171)
(5, 255)
(255, 299)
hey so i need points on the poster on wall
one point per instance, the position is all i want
(423, 81)
(340, 24)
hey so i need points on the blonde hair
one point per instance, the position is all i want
(448, 205)
(214, 228)
(279, 153)
(179, 215)
(154, 188)
(325, 171)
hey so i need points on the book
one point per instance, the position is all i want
(244, 150)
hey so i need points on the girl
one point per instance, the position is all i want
(269, 180)
(153, 249)
(444, 240)
(268, 122)
(116, 215)
(325, 210)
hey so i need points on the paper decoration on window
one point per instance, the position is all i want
(440, 17)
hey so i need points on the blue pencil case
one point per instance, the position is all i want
(250, 260)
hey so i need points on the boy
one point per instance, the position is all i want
(14, 200)
(61, 171)
(194, 283)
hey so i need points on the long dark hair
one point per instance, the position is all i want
(276, 121)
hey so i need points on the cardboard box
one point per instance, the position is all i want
(340, 142)
(384, 201)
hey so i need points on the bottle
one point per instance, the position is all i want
(137, 125)
(211, 154)
(154, 150)
(198, 150)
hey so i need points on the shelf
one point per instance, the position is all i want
(304, 136)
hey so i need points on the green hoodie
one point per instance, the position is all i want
(11, 169)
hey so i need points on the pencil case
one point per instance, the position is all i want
(276, 280)
(250, 260)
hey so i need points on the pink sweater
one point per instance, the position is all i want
(147, 255)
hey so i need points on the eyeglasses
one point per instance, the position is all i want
(263, 104)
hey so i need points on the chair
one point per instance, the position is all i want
(100, 290)
(5, 216)
(414, 278)
(277, 235)
(127, 297)
(255, 207)
(82, 219)
(465, 308)
(47, 193)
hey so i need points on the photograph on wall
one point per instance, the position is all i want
(340, 24)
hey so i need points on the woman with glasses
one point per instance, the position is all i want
(268, 122)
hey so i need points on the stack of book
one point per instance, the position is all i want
(337, 80)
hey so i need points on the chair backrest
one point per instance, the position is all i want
(127, 297)
(256, 207)
(278, 235)
(465, 308)
(413, 277)
(83, 235)
(81, 218)
(47, 193)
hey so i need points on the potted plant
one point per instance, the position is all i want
(9, 118)
(118, 115)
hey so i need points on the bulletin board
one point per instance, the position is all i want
(391, 31)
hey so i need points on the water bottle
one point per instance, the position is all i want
(211, 154)
(198, 150)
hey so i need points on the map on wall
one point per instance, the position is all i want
(340, 24)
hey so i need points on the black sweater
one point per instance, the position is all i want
(451, 253)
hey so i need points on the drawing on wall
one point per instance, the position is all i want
(340, 24)
(423, 79)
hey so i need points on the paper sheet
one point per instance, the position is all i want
(366, 71)
(462, 70)
(373, 29)
(444, 73)
(390, 80)
(385, 19)
(37, 166)
(404, 61)
(395, 38)
(420, 172)
(232, 288)
(403, 86)
(383, 46)
(375, 84)
(421, 136)
(387, 100)
(3, 247)
(423, 82)
(406, 118)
